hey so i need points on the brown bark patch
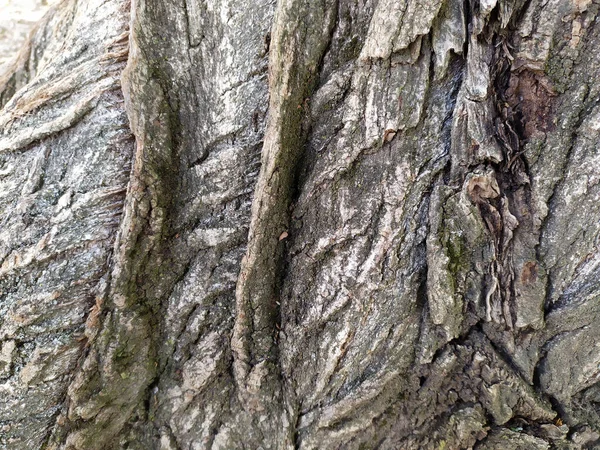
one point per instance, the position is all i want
(529, 274)
(530, 95)
(482, 187)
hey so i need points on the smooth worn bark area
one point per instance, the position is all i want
(302, 224)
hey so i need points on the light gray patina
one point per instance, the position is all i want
(302, 224)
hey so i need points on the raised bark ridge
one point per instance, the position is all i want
(296, 51)
(415, 264)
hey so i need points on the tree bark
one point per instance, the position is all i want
(302, 224)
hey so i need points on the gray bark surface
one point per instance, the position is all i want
(302, 224)
(17, 18)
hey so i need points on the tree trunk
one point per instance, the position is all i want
(302, 224)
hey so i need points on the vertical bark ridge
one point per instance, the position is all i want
(211, 67)
(300, 35)
(121, 361)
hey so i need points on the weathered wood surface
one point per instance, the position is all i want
(295, 224)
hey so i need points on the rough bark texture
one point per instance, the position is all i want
(17, 18)
(302, 224)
